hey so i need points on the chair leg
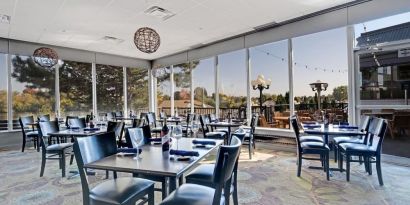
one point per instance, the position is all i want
(107, 174)
(227, 191)
(235, 192)
(299, 165)
(151, 196)
(114, 173)
(63, 163)
(250, 149)
(327, 165)
(347, 167)
(23, 145)
(369, 166)
(38, 144)
(379, 170)
(164, 188)
(335, 151)
(71, 159)
(340, 158)
(43, 164)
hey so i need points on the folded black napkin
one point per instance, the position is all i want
(74, 128)
(184, 153)
(312, 126)
(348, 127)
(309, 122)
(154, 139)
(92, 129)
(129, 150)
(204, 142)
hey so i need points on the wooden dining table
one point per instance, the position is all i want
(153, 162)
(228, 125)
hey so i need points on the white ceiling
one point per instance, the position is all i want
(82, 24)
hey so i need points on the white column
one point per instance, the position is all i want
(351, 70)
(124, 71)
(216, 69)
(290, 67)
(94, 81)
(248, 85)
(172, 94)
(152, 91)
(57, 89)
(9, 94)
(192, 88)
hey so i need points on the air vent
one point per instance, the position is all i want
(112, 39)
(159, 12)
(5, 19)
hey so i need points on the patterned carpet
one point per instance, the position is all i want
(269, 178)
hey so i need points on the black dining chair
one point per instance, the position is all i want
(249, 137)
(188, 193)
(43, 118)
(310, 148)
(118, 129)
(186, 128)
(364, 127)
(203, 174)
(307, 137)
(203, 119)
(111, 116)
(29, 134)
(119, 114)
(370, 152)
(151, 120)
(123, 190)
(67, 118)
(77, 122)
(54, 151)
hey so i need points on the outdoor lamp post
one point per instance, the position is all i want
(318, 86)
(261, 83)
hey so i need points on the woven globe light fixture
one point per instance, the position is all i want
(147, 40)
(45, 57)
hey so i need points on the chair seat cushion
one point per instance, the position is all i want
(32, 134)
(338, 140)
(314, 145)
(201, 175)
(311, 139)
(59, 147)
(215, 135)
(356, 148)
(190, 194)
(118, 191)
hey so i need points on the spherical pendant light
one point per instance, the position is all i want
(45, 57)
(147, 40)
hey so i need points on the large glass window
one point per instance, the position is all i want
(3, 92)
(110, 88)
(137, 90)
(321, 56)
(182, 82)
(232, 84)
(33, 88)
(271, 61)
(204, 86)
(163, 89)
(75, 88)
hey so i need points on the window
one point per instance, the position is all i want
(33, 88)
(163, 89)
(110, 88)
(271, 61)
(321, 56)
(137, 90)
(204, 86)
(182, 82)
(75, 88)
(232, 84)
(3, 92)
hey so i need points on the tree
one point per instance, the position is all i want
(340, 93)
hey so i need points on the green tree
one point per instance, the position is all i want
(340, 93)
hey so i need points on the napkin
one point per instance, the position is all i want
(154, 140)
(74, 128)
(348, 127)
(92, 129)
(184, 153)
(204, 142)
(309, 123)
(129, 150)
(312, 126)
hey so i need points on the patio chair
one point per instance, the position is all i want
(124, 190)
(203, 119)
(67, 118)
(118, 129)
(77, 122)
(43, 118)
(29, 134)
(226, 161)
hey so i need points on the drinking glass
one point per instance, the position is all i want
(177, 133)
(137, 139)
(195, 127)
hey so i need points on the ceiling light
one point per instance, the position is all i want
(159, 12)
(147, 40)
(5, 19)
(45, 57)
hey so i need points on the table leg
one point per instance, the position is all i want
(181, 180)
(229, 135)
(172, 184)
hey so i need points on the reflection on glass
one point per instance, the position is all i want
(163, 90)
(182, 93)
(137, 90)
(110, 85)
(75, 89)
(3, 92)
(204, 86)
(33, 87)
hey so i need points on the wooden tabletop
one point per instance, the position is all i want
(153, 161)
(78, 132)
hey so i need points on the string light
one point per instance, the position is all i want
(305, 66)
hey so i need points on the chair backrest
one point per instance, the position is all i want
(189, 118)
(204, 125)
(254, 122)
(24, 121)
(67, 118)
(43, 118)
(224, 166)
(162, 115)
(212, 117)
(377, 131)
(295, 127)
(90, 149)
(119, 114)
(116, 127)
(240, 134)
(77, 122)
(44, 128)
(110, 116)
(364, 122)
(151, 119)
